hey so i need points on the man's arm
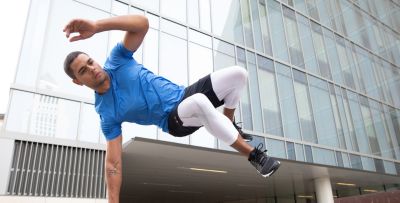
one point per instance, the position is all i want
(113, 169)
(136, 27)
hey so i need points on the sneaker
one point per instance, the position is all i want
(245, 136)
(264, 164)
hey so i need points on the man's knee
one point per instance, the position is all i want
(239, 74)
(202, 102)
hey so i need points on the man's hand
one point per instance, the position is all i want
(85, 28)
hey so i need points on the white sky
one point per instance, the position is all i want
(13, 15)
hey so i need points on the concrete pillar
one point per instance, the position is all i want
(323, 189)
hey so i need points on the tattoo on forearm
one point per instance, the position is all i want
(114, 171)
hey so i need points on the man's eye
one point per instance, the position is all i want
(90, 62)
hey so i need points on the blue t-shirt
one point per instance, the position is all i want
(135, 95)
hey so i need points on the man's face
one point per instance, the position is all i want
(88, 72)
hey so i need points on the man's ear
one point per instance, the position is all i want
(76, 81)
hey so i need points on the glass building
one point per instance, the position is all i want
(322, 96)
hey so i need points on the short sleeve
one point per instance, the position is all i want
(119, 56)
(110, 129)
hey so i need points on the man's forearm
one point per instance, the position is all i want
(129, 23)
(114, 179)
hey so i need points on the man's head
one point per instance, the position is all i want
(83, 70)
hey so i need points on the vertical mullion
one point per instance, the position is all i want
(78, 173)
(60, 167)
(28, 169)
(103, 188)
(83, 174)
(38, 171)
(88, 172)
(92, 173)
(54, 171)
(49, 172)
(96, 166)
(67, 173)
(16, 168)
(34, 170)
(21, 177)
(44, 170)
(75, 150)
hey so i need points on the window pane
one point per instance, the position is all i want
(389, 167)
(152, 5)
(276, 148)
(193, 13)
(324, 120)
(299, 152)
(173, 66)
(248, 31)
(382, 131)
(324, 156)
(368, 163)
(344, 62)
(245, 97)
(290, 151)
(379, 165)
(367, 73)
(287, 99)
(150, 51)
(255, 93)
(310, 61)
(278, 38)
(296, 55)
(269, 99)
(339, 159)
(355, 161)
(20, 110)
(89, 124)
(345, 120)
(333, 56)
(309, 155)
(256, 25)
(264, 27)
(304, 107)
(300, 5)
(175, 9)
(224, 54)
(312, 9)
(392, 131)
(338, 119)
(320, 51)
(358, 122)
(223, 24)
(205, 18)
(200, 62)
(369, 128)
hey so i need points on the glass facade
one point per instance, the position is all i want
(313, 77)
(323, 75)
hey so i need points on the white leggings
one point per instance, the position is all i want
(197, 110)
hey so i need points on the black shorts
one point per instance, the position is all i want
(203, 86)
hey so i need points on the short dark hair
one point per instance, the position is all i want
(68, 60)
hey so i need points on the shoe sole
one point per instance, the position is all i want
(274, 169)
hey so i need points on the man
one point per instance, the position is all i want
(127, 91)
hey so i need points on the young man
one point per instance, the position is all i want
(126, 91)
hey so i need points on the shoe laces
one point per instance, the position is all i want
(259, 154)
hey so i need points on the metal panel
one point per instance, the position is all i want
(40, 169)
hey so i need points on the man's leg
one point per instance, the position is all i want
(227, 85)
(197, 110)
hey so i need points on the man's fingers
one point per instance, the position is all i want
(76, 38)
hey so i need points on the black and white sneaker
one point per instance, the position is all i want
(264, 164)
(245, 136)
